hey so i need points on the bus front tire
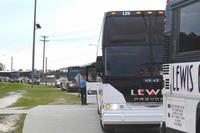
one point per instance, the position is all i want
(163, 128)
(198, 118)
(106, 129)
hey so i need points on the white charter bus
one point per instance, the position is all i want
(131, 68)
(181, 71)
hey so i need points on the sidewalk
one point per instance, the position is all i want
(62, 119)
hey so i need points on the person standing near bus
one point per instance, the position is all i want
(83, 91)
(98, 79)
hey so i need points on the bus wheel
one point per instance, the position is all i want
(106, 129)
(98, 110)
(163, 128)
(198, 128)
(198, 118)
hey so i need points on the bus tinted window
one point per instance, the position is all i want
(189, 36)
(135, 44)
(123, 29)
(128, 60)
(133, 29)
(73, 71)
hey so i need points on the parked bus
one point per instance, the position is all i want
(14, 77)
(92, 82)
(131, 67)
(182, 66)
(71, 84)
(4, 76)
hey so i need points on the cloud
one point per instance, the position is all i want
(70, 24)
(70, 56)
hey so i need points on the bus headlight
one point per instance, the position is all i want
(109, 106)
(71, 84)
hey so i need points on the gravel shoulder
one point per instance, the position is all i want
(11, 123)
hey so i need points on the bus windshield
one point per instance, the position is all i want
(133, 29)
(132, 44)
(128, 60)
(14, 75)
(73, 71)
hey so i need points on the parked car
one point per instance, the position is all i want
(63, 83)
(4, 79)
(72, 86)
(16, 80)
(35, 81)
(23, 79)
(58, 83)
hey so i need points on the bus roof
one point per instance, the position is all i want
(135, 13)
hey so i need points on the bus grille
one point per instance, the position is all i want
(166, 83)
(166, 49)
(166, 75)
(165, 69)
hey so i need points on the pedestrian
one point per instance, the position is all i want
(82, 85)
(98, 79)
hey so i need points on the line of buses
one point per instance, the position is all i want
(150, 69)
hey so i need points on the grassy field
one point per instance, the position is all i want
(5, 88)
(38, 95)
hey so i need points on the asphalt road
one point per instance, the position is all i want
(68, 119)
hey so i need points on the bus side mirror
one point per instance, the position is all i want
(99, 64)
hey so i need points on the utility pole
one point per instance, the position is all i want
(44, 42)
(46, 73)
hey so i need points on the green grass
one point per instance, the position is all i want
(38, 95)
(5, 88)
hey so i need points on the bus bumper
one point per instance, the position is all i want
(133, 116)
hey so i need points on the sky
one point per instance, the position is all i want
(72, 27)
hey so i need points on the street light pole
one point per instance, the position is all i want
(33, 52)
